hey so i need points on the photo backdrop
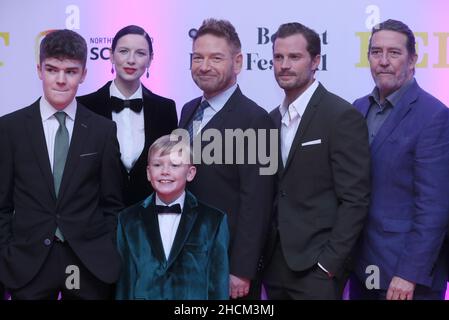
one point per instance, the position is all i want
(344, 27)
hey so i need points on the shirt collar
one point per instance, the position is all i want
(217, 103)
(394, 97)
(179, 201)
(47, 110)
(115, 92)
(301, 102)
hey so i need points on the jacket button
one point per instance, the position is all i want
(283, 193)
(47, 242)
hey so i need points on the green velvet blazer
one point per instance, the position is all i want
(197, 267)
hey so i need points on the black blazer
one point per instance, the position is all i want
(89, 200)
(239, 190)
(160, 119)
(323, 190)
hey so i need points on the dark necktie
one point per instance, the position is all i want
(118, 104)
(198, 116)
(61, 149)
(176, 208)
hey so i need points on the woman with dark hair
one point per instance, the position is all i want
(141, 116)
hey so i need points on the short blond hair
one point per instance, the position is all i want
(169, 143)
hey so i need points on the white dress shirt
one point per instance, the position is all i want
(295, 110)
(168, 223)
(51, 124)
(130, 128)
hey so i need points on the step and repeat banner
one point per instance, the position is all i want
(344, 27)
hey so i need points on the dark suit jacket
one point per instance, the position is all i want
(409, 210)
(89, 199)
(237, 189)
(323, 190)
(160, 119)
(197, 267)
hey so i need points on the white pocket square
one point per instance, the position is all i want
(308, 143)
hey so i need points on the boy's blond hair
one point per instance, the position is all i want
(171, 143)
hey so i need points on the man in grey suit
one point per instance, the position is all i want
(323, 180)
(237, 189)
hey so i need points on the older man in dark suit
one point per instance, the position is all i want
(61, 186)
(240, 190)
(401, 254)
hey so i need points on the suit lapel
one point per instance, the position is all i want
(151, 225)
(104, 101)
(277, 118)
(188, 219)
(364, 107)
(35, 131)
(218, 120)
(150, 117)
(79, 136)
(305, 122)
(188, 113)
(148, 114)
(396, 116)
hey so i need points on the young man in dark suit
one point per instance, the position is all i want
(240, 190)
(323, 180)
(61, 188)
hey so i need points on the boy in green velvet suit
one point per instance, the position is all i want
(172, 245)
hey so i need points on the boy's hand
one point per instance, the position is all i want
(238, 287)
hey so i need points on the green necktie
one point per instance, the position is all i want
(60, 155)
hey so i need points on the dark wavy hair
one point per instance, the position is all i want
(289, 29)
(63, 44)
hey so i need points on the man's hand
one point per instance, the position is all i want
(238, 287)
(400, 289)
